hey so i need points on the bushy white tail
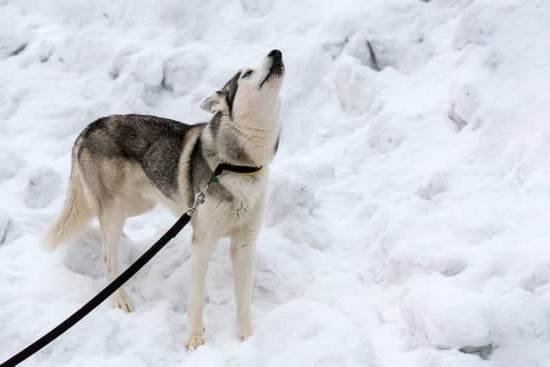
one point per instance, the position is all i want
(74, 216)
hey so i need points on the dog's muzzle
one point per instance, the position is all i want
(277, 67)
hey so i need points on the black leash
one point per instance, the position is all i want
(128, 273)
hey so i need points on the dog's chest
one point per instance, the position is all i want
(246, 196)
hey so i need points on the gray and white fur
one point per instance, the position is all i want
(123, 165)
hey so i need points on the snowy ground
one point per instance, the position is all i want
(409, 215)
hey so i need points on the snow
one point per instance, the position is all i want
(42, 188)
(408, 213)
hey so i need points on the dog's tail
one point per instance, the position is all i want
(74, 216)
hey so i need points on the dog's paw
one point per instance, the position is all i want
(245, 331)
(194, 342)
(243, 338)
(122, 301)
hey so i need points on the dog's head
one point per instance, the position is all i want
(252, 93)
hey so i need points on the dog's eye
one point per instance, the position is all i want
(247, 73)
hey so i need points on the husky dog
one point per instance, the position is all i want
(122, 165)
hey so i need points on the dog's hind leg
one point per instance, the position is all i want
(111, 222)
(242, 251)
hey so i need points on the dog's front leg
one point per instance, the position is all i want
(242, 259)
(201, 249)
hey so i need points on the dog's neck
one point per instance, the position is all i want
(244, 142)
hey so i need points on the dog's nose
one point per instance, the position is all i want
(275, 54)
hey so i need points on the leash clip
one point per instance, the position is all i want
(199, 200)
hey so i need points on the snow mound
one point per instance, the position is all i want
(4, 227)
(446, 318)
(323, 337)
(43, 187)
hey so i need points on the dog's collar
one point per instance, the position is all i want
(241, 170)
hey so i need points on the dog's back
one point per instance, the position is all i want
(152, 142)
(120, 156)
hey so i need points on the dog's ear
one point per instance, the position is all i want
(215, 103)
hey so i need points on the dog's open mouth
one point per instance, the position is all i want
(277, 68)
